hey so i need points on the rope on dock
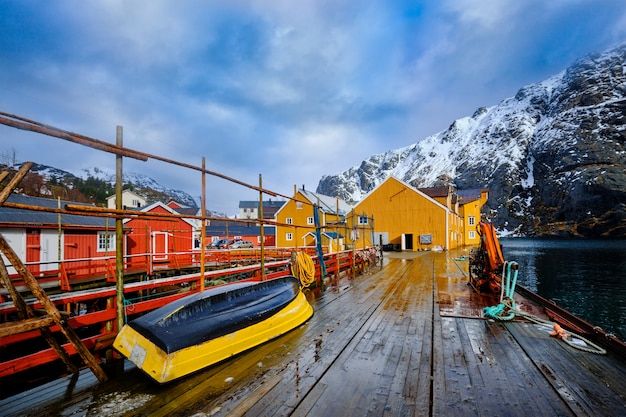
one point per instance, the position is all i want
(567, 337)
(304, 270)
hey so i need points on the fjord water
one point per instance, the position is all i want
(586, 277)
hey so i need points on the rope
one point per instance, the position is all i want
(128, 305)
(559, 333)
(506, 311)
(305, 270)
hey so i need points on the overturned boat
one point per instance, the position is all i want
(205, 328)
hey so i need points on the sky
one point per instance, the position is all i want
(287, 91)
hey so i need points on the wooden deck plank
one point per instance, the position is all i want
(533, 395)
(580, 378)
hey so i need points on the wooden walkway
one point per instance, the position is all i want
(404, 339)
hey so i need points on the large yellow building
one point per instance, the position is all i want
(395, 213)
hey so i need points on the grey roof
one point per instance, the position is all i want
(255, 204)
(327, 204)
(23, 217)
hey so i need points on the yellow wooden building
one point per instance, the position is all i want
(471, 203)
(397, 214)
(296, 221)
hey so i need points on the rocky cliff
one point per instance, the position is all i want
(553, 156)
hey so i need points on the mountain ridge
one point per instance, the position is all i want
(552, 156)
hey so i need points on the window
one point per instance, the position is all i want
(106, 241)
(471, 220)
(472, 234)
(363, 220)
(309, 220)
(289, 237)
(289, 220)
(298, 205)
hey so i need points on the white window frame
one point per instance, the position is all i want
(102, 241)
(363, 220)
(471, 220)
(471, 234)
(289, 220)
(310, 220)
(288, 236)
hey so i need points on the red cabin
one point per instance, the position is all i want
(154, 243)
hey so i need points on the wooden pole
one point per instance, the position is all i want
(203, 225)
(119, 236)
(262, 230)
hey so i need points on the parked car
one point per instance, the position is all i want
(241, 244)
(225, 244)
(216, 244)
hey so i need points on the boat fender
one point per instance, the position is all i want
(559, 332)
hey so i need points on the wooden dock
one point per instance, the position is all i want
(404, 339)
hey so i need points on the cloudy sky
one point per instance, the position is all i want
(291, 90)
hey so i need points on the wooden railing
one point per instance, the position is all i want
(92, 312)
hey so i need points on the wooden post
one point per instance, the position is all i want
(262, 229)
(119, 236)
(202, 227)
(51, 309)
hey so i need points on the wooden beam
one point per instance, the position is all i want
(15, 181)
(11, 328)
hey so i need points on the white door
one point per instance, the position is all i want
(16, 238)
(50, 249)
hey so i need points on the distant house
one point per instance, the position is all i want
(471, 203)
(296, 224)
(166, 242)
(129, 200)
(250, 209)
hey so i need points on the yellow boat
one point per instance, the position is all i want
(202, 329)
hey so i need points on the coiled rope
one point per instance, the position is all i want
(304, 269)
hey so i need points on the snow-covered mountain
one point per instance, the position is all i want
(553, 156)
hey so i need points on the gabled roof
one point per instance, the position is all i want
(326, 203)
(330, 235)
(408, 186)
(25, 217)
(152, 206)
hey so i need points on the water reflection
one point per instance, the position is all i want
(587, 277)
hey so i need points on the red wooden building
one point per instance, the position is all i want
(159, 243)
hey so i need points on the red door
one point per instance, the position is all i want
(33, 250)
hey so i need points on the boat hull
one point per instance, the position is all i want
(164, 364)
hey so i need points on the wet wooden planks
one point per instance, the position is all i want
(403, 340)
